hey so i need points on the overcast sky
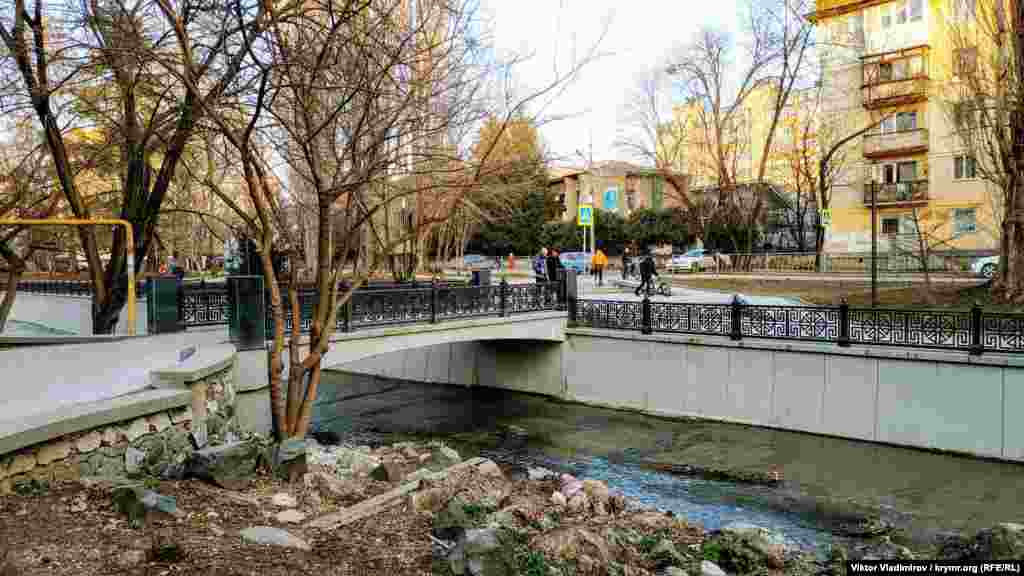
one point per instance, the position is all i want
(640, 33)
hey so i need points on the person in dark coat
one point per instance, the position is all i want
(554, 263)
(647, 272)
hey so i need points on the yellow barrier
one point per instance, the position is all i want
(129, 240)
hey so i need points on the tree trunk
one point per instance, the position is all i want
(11, 292)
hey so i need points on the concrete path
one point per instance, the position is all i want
(622, 290)
(810, 277)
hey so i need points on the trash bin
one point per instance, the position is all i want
(162, 301)
(247, 312)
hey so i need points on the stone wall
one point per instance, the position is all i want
(156, 444)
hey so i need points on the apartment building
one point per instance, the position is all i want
(892, 66)
(614, 186)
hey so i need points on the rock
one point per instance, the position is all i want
(586, 564)
(53, 452)
(111, 436)
(597, 493)
(485, 552)
(216, 530)
(570, 486)
(537, 473)
(21, 464)
(665, 553)
(430, 500)
(572, 542)
(138, 504)
(578, 503)
(159, 422)
(708, 568)
(490, 469)
(675, 571)
(284, 500)
(451, 520)
(273, 537)
(333, 485)
(133, 460)
(137, 429)
(395, 469)
(182, 415)
(424, 458)
(419, 475)
(326, 437)
(289, 461)
(448, 454)
(79, 503)
(229, 466)
(410, 453)
(1001, 542)
(600, 508)
(380, 473)
(558, 499)
(130, 558)
(89, 442)
(314, 500)
(290, 516)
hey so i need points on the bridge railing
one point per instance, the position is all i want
(437, 303)
(974, 331)
(65, 287)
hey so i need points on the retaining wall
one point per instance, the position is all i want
(70, 313)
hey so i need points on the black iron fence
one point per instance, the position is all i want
(66, 287)
(974, 330)
(392, 307)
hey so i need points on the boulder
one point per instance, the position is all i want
(664, 553)
(484, 552)
(290, 516)
(537, 473)
(284, 500)
(229, 466)
(333, 485)
(578, 503)
(289, 460)
(708, 568)
(133, 460)
(271, 536)
(490, 469)
(558, 499)
(675, 571)
(430, 500)
(139, 504)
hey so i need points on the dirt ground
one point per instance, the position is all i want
(857, 293)
(50, 534)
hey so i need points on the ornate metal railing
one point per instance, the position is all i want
(974, 330)
(65, 287)
(203, 306)
(391, 307)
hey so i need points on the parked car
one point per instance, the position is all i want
(696, 260)
(477, 261)
(578, 261)
(986, 267)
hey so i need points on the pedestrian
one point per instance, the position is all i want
(540, 265)
(625, 264)
(511, 261)
(598, 262)
(553, 265)
(175, 268)
(647, 271)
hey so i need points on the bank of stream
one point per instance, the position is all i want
(829, 486)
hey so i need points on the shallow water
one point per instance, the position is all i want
(826, 480)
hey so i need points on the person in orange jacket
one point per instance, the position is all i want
(598, 261)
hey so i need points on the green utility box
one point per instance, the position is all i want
(162, 306)
(247, 312)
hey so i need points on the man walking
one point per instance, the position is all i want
(598, 262)
(647, 271)
(540, 265)
(553, 264)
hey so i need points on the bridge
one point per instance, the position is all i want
(946, 380)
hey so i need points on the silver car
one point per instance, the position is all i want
(986, 267)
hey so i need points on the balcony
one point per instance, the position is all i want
(913, 192)
(895, 78)
(881, 145)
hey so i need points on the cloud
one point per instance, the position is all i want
(639, 34)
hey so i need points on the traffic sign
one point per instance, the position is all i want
(585, 216)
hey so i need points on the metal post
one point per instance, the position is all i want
(572, 312)
(503, 291)
(645, 316)
(737, 319)
(433, 302)
(874, 244)
(976, 330)
(844, 323)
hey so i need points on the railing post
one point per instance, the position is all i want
(976, 330)
(844, 323)
(572, 312)
(737, 318)
(645, 315)
(503, 292)
(433, 302)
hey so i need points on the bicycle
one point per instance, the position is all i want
(661, 288)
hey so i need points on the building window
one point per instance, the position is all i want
(890, 226)
(906, 121)
(965, 60)
(964, 168)
(916, 10)
(885, 71)
(888, 125)
(965, 220)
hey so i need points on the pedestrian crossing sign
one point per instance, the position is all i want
(585, 216)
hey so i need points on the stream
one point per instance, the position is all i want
(827, 482)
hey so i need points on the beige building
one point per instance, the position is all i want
(613, 186)
(891, 66)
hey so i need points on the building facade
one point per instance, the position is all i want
(891, 67)
(613, 186)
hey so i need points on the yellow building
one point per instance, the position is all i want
(892, 66)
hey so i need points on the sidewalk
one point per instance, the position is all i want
(883, 277)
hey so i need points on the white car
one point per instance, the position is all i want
(696, 260)
(986, 267)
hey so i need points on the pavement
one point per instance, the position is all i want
(615, 288)
(883, 276)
